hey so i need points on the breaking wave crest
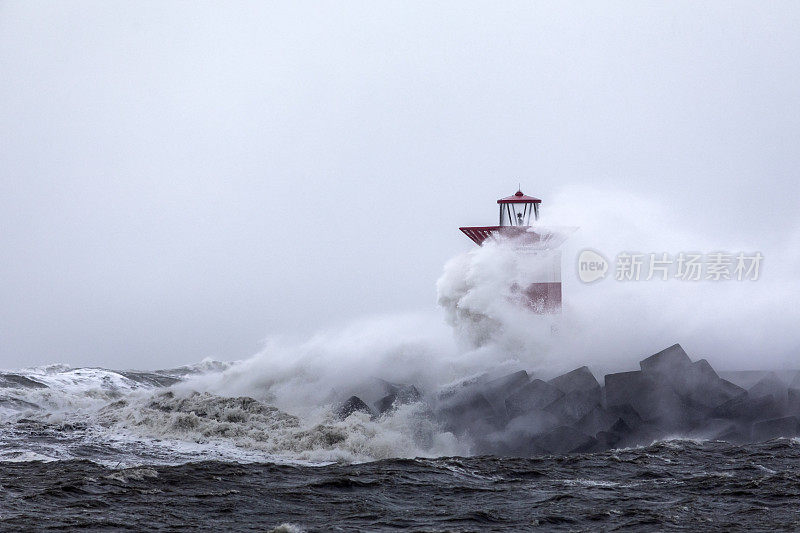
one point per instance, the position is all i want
(60, 413)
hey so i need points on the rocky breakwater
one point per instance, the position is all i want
(669, 396)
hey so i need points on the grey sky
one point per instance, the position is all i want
(180, 180)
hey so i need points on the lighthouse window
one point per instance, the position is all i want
(522, 214)
(516, 214)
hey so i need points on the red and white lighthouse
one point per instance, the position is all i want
(541, 291)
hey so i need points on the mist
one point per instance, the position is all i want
(182, 181)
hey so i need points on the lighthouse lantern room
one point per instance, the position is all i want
(516, 210)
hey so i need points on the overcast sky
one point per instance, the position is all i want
(181, 180)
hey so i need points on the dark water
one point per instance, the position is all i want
(673, 485)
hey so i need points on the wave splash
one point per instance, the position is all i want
(280, 405)
(61, 413)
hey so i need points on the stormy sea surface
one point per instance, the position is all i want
(675, 485)
(99, 449)
(495, 423)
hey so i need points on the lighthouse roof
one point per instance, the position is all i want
(518, 198)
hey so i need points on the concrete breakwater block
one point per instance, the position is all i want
(670, 395)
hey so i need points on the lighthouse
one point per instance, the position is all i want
(541, 290)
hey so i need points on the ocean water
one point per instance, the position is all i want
(111, 450)
(674, 485)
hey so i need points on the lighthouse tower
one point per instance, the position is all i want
(541, 291)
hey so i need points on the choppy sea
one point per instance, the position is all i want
(103, 450)
(674, 485)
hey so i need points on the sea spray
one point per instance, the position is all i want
(484, 333)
